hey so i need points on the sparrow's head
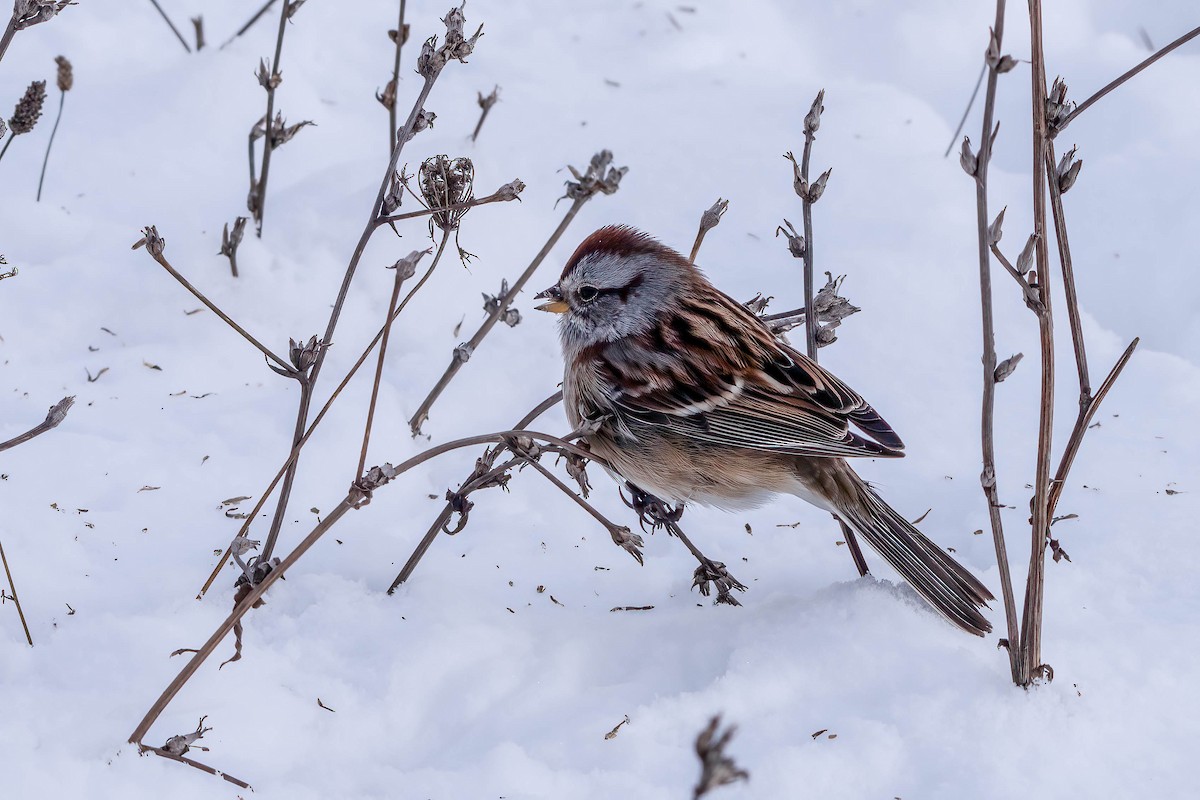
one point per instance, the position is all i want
(617, 284)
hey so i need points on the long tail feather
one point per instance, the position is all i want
(929, 569)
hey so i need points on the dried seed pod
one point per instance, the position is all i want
(28, 109)
(387, 98)
(1025, 260)
(1068, 170)
(1058, 108)
(996, 229)
(446, 182)
(812, 120)
(818, 186)
(282, 133)
(712, 217)
(511, 190)
(1006, 367)
(970, 163)
(66, 75)
(600, 176)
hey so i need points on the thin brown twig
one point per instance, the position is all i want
(1031, 620)
(967, 111)
(708, 220)
(191, 762)
(810, 318)
(383, 343)
(16, 600)
(1068, 273)
(987, 418)
(258, 189)
(157, 254)
(174, 30)
(448, 511)
(56, 414)
(501, 196)
(1086, 104)
(396, 79)
(257, 15)
(62, 98)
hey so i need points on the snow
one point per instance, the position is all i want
(468, 682)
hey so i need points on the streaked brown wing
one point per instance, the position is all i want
(717, 374)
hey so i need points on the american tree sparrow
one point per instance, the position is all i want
(698, 402)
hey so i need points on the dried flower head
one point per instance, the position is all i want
(446, 182)
(712, 216)
(29, 108)
(1058, 107)
(812, 120)
(457, 46)
(796, 243)
(27, 13)
(601, 176)
(66, 75)
(1068, 170)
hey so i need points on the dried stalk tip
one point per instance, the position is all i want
(27, 13)
(153, 243)
(28, 108)
(1068, 170)
(996, 230)
(304, 354)
(423, 120)
(446, 182)
(407, 266)
(1007, 367)
(486, 102)
(601, 176)
(1058, 108)
(456, 48)
(716, 768)
(970, 163)
(66, 75)
(818, 186)
(230, 241)
(796, 243)
(510, 191)
(293, 6)
(712, 217)
(387, 98)
(812, 120)
(404, 36)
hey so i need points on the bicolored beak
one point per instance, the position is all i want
(554, 300)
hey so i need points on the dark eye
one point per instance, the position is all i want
(588, 293)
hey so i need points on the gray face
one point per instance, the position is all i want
(612, 296)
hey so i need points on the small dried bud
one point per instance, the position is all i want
(818, 186)
(1007, 367)
(1001, 64)
(28, 109)
(1058, 108)
(407, 266)
(154, 243)
(486, 102)
(812, 120)
(423, 120)
(456, 48)
(799, 184)
(491, 306)
(996, 229)
(395, 193)
(444, 183)
(758, 304)
(1025, 260)
(27, 13)
(599, 177)
(304, 354)
(462, 353)
(404, 36)
(970, 163)
(66, 75)
(796, 244)
(511, 190)
(293, 6)
(1068, 170)
(712, 217)
(282, 133)
(230, 241)
(267, 78)
(387, 98)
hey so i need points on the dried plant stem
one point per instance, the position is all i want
(62, 98)
(191, 762)
(1068, 273)
(4, 149)
(810, 318)
(495, 197)
(295, 453)
(351, 268)
(448, 511)
(7, 37)
(57, 413)
(167, 19)
(257, 15)
(383, 343)
(1030, 665)
(165, 264)
(987, 422)
(396, 79)
(260, 187)
(456, 363)
(1086, 104)
(356, 498)
(289, 475)
(16, 600)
